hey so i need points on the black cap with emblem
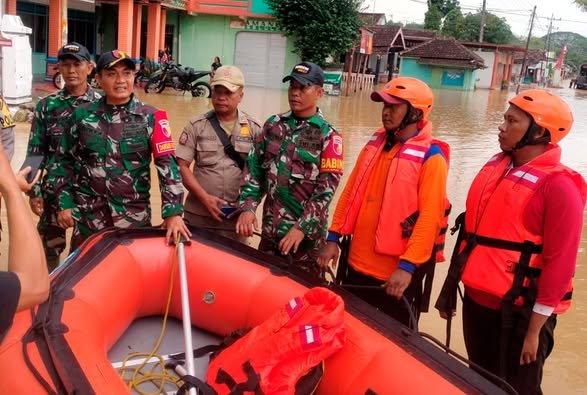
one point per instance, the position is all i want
(306, 73)
(74, 50)
(109, 59)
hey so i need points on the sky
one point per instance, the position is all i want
(568, 17)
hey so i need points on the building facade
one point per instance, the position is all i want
(240, 32)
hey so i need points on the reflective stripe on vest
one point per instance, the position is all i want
(494, 224)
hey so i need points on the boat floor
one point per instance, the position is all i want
(141, 337)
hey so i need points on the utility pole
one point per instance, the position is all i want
(526, 51)
(482, 28)
(546, 49)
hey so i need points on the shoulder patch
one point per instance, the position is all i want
(331, 160)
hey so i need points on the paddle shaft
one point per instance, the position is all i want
(186, 318)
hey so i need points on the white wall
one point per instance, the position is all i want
(484, 75)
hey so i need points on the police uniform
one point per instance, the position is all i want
(51, 114)
(7, 125)
(102, 167)
(215, 171)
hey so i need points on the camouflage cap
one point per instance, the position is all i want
(229, 77)
(109, 59)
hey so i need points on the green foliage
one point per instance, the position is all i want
(576, 46)
(453, 24)
(319, 27)
(433, 18)
(444, 6)
(497, 31)
(414, 25)
(582, 4)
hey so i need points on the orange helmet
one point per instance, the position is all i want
(412, 90)
(548, 110)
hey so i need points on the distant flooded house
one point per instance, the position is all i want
(499, 59)
(443, 63)
(388, 42)
(535, 67)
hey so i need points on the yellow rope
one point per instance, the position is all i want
(163, 376)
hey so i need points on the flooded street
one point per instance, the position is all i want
(468, 122)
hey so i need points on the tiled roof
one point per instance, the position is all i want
(384, 35)
(534, 56)
(419, 33)
(445, 51)
(370, 18)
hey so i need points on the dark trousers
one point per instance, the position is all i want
(388, 304)
(482, 332)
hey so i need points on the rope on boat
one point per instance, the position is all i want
(157, 374)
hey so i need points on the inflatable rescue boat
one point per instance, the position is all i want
(121, 276)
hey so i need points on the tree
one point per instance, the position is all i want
(497, 30)
(582, 4)
(453, 24)
(433, 18)
(320, 28)
(444, 6)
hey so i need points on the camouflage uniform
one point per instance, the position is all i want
(293, 163)
(51, 114)
(102, 171)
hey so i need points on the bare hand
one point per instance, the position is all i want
(291, 241)
(246, 224)
(21, 179)
(529, 349)
(330, 252)
(397, 283)
(36, 204)
(65, 219)
(175, 227)
(213, 204)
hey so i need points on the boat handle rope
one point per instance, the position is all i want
(159, 379)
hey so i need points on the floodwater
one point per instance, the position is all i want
(468, 121)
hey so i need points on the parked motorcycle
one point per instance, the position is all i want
(179, 78)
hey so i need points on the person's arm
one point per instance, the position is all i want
(186, 151)
(253, 177)
(26, 257)
(170, 185)
(331, 167)
(38, 144)
(315, 213)
(60, 173)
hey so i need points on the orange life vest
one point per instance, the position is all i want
(506, 255)
(273, 356)
(399, 210)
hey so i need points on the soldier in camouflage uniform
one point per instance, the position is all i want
(51, 113)
(102, 167)
(297, 163)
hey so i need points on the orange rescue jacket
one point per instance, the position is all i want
(504, 249)
(399, 210)
(273, 356)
